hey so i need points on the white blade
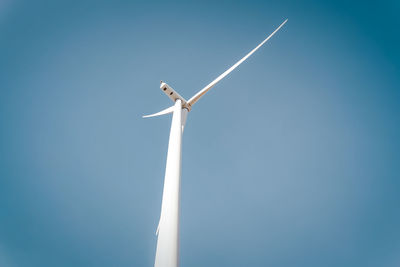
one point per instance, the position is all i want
(162, 112)
(197, 96)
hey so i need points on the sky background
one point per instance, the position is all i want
(292, 160)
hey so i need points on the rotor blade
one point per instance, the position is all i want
(197, 96)
(162, 112)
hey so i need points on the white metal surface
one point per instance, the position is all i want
(167, 254)
(171, 93)
(184, 117)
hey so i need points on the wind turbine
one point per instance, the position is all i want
(167, 253)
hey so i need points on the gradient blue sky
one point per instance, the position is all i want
(292, 160)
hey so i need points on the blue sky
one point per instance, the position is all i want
(292, 160)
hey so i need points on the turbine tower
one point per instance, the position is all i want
(167, 253)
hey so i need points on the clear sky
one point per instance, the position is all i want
(292, 160)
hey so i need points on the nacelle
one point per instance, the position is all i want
(171, 93)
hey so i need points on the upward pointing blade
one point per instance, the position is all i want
(197, 96)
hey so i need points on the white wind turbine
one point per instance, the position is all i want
(167, 253)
